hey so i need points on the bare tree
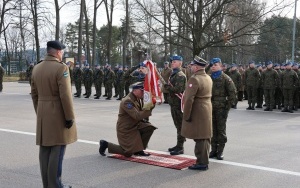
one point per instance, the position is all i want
(57, 18)
(109, 14)
(97, 4)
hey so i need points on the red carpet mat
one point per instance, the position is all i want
(167, 161)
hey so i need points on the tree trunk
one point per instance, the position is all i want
(7, 51)
(165, 31)
(170, 29)
(87, 34)
(57, 24)
(109, 18)
(125, 34)
(80, 33)
(36, 30)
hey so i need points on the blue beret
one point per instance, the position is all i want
(251, 62)
(269, 63)
(176, 57)
(87, 64)
(234, 65)
(215, 60)
(77, 63)
(120, 66)
(126, 67)
(138, 85)
(142, 64)
(198, 61)
(295, 65)
(56, 45)
(288, 63)
(259, 65)
(276, 65)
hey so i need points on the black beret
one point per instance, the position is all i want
(56, 45)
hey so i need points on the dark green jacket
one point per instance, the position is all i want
(270, 79)
(252, 77)
(289, 79)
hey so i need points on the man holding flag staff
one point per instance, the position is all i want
(175, 87)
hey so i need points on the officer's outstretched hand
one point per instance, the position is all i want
(69, 124)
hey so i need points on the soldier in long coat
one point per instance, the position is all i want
(166, 73)
(77, 76)
(53, 104)
(133, 128)
(197, 112)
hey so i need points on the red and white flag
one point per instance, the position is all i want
(152, 91)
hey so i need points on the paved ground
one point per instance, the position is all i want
(263, 148)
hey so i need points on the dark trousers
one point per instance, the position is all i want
(166, 97)
(260, 96)
(127, 84)
(177, 119)
(202, 151)
(278, 96)
(252, 94)
(51, 158)
(145, 133)
(240, 95)
(98, 87)
(270, 97)
(288, 95)
(78, 87)
(1, 85)
(219, 128)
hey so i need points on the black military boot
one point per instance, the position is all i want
(213, 154)
(291, 110)
(177, 151)
(172, 148)
(77, 96)
(249, 108)
(220, 155)
(103, 146)
(279, 107)
(252, 108)
(285, 110)
(84, 94)
(267, 109)
(87, 97)
(97, 97)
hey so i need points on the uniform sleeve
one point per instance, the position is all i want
(189, 96)
(179, 86)
(231, 91)
(64, 85)
(132, 111)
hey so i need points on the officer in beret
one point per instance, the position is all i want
(77, 76)
(166, 73)
(53, 104)
(296, 88)
(109, 80)
(252, 82)
(176, 86)
(120, 83)
(87, 80)
(223, 97)
(133, 128)
(269, 79)
(289, 81)
(237, 80)
(197, 112)
(98, 79)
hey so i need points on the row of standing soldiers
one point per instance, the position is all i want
(118, 78)
(277, 85)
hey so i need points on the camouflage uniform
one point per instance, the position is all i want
(115, 82)
(278, 91)
(88, 81)
(260, 93)
(128, 78)
(2, 72)
(77, 77)
(165, 73)
(223, 97)
(252, 79)
(237, 80)
(296, 91)
(241, 90)
(98, 79)
(109, 79)
(289, 80)
(177, 82)
(269, 79)
(120, 83)
(104, 81)
(29, 73)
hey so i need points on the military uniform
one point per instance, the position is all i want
(133, 129)
(120, 83)
(278, 91)
(77, 77)
(98, 79)
(197, 114)
(166, 73)
(252, 81)
(223, 97)
(116, 69)
(55, 125)
(88, 81)
(269, 79)
(237, 80)
(241, 90)
(296, 89)
(109, 80)
(289, 80)
(260, 90)
(29, 72)
(2, 72)
(175, 87)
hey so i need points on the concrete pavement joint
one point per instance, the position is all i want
(187, 156)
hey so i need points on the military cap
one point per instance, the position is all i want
(258, 65)
(56, 45)
(176, 57)
(215, 60)
(234, 65)
(276, 65)
(166, 63)
(269, 63)
(77, 63)
(120, 66)
(251, 62)
(198, 61)
(87, 64)
(295, 65)
(138, 85)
